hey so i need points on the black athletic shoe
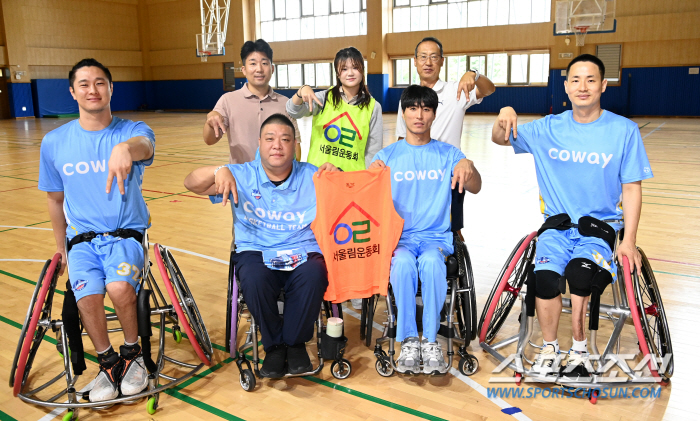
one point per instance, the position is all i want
(298, 359)
(274, 363)
(575, 369)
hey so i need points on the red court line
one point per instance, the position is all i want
(673, 261)
(170, 193)
(19, 188)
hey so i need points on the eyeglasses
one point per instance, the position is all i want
(434, 58)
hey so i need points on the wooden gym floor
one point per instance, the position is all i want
(199, 234)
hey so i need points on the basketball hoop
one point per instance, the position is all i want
(580, 32)
(204, 55)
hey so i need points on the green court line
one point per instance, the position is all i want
(174, 392)
(6, 417)
(168, 195)
(203, 406)
(222, 414)
(677, 274)
(365, 396)
(671, 184)
(17, 178)
(30, 225)
(671, 197)
(666, 204)
(645, 125)
(683, 191)
(374, 399)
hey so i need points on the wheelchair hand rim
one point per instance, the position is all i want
(501, 285)
(38, 306)
(178, 309)
(634, 310)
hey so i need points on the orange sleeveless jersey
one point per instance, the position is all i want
(357, 229)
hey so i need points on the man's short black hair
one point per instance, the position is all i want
(421, 96)
(590, 58)
(87, 62)
(278, 119)
(260, 46)
(426, 39)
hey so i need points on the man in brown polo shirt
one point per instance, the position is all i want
(240, 113)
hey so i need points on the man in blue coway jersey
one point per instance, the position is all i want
(273, 201)
(590, 164)
(423, 173)
(92, 169)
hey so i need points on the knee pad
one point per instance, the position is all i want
(580, 273)
(547, 284)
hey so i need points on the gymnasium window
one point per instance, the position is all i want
(288, 20)
(530, 68)
(424, 15)
(294, 75)
(609, 54)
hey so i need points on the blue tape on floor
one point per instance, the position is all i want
(511, 410)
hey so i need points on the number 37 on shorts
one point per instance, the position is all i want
(126, 269)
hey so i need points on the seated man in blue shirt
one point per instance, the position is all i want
(589, 163)
(104, 225)
(423, 173)
(273, 201)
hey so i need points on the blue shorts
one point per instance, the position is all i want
(555, 249)
(94, 264)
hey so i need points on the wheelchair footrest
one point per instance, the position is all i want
(332, 348)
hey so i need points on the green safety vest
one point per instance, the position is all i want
(339, 135)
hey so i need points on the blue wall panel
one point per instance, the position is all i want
(129, 96)
(199, 94)
(52, 96)
(20, 96)
(378, 85)
(662, 91)
(652, 91)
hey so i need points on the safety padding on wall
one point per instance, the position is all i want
(53, 97)
(378, 85)
(21, 103)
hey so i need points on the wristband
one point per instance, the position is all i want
(302, 87)
(477, 74)
(217, 170)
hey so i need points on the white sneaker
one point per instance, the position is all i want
(106, 382)
(547, 361)
(409, 360)
(135, 377)
(576, 366)
(356, 303)
(433, 360)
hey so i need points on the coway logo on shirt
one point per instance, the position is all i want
(83, 167)
(256, 194)
(343, 233)
(275, 220)
(592, 158)
(438, 174)
(333, 133)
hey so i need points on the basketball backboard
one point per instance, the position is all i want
(580, 17)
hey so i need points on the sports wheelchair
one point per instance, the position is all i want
(328, 348)
(181, 313)
(636, 301)
(458, 316)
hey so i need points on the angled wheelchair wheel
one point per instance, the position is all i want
(652, 315)
(184, 304)
(505, 291)
(466, 308)
(33, 331)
